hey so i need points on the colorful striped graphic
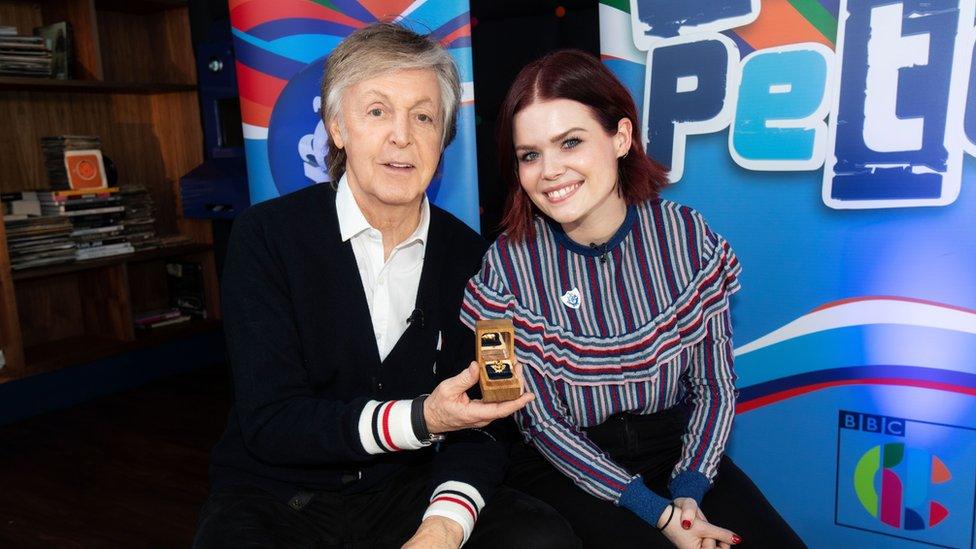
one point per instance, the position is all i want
(281, 48)
(812, 346)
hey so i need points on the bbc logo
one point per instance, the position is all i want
(872, 424)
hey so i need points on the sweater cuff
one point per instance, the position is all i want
(640, 499)
(459, 502)
(690, 484)
(387, 427)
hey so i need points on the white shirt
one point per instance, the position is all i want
(390, 285)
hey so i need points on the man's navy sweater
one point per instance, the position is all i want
(305, 361)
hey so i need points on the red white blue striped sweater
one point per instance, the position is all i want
(636, 325)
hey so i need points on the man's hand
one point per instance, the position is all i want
(448, 407)
(438, 533)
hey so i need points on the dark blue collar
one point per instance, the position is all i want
(601, 249)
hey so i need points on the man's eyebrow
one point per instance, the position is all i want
(377, 93)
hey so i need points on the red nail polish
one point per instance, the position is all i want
(736, 539)
(686, 524)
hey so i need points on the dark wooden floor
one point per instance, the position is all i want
(126, 470)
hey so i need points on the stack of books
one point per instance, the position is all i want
(20, 205)
(23, 55)
(139, 221)
(54, 149)
(161, 317)
(96, 218)
(38, 241)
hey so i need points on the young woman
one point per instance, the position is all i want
(620, 302)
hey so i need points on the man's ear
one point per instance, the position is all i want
(335, 134)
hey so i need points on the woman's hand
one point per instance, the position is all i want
(700, 534)
(686, 511)
(448, 407)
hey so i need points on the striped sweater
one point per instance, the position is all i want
(636, 325)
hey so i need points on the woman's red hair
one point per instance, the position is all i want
(580, 77)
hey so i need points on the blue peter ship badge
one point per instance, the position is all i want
(572, 299)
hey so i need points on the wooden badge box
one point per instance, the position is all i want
(495, 344)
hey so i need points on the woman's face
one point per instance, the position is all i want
(567, 164)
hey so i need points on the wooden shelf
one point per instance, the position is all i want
(135, 87)
(54, 355)
(23, 83)
(77, 266)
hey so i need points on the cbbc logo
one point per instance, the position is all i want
(900, 92)
(892, 483)
(906, 478)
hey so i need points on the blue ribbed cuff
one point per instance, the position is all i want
(690, 484)
(640, 499)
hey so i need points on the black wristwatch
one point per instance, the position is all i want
(419, 424)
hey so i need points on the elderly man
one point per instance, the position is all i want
(341, 313)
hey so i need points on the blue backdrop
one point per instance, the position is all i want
(830, 151)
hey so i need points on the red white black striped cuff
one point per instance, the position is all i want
(459, 502)
(386, 427)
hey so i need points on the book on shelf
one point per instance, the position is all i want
(39, 247)
(186, 289)
(155, 315)
(22, 208)
(41, 262)
(101, 241)
(79, 202)
(160, 317)
(59, 148)
(19, 195)
(85, 169)
(109, 229)
(87, 221)
(178, 320)
(74, 194)
(57, 39)
(96, 252)
(84, 212)
(20, 204)
(170, 241)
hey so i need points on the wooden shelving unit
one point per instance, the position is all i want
(135, 87)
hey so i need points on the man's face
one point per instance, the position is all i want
(391, 128)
